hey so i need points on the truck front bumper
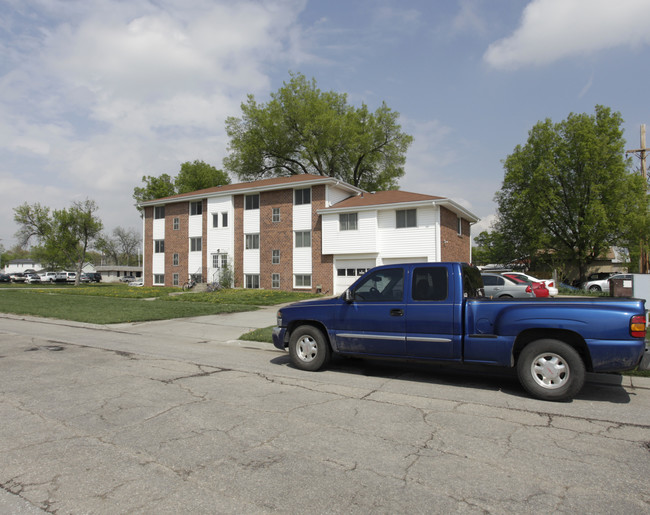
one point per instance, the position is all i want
(278, 337)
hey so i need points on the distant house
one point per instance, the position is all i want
(113, 273)
(20, 265)
(304, 232)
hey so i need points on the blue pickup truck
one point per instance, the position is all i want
(438, 311)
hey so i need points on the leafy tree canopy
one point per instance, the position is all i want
(63, 235)
(192, 176)
(568, 192)
(305, 130)
(120, 248)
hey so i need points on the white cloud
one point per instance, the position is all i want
(96, 94)
(555, 29)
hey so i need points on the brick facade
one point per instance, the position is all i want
(454, 246)
(277, 235)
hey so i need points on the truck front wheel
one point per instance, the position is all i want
(551, 370)
(308, 348)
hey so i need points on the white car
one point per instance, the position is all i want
(602, 285)
(137, 282)
(549, 283)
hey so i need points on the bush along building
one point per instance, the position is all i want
(304, 232)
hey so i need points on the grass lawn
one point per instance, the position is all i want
(111, 304)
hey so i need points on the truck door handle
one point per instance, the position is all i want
(396, 312)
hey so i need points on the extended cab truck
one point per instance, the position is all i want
(437, 311)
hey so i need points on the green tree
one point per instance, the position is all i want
(192, 176)
(199, 175)
(64, 235)
(121, 248)
(304, 130)
(568, 192)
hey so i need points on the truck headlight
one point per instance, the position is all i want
(278, 318)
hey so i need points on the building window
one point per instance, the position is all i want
(275, 281)
(252, 241)
(215, 219)
(177, 223)
(302, 196)
(275, 257)
(215, 260)
(159, 212)
(159, 246)
(252, 202)
(159, 278)
(348, 221)
(224, 219)
(406, 218)
(196, 244)
(252, 281)
(276, 214)
(459, 226)
(196, 208)
(224, 260)
(175, 280)
(175, 260)
(303, 239)
(302, 280)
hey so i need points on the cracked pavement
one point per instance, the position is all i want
(180, 417)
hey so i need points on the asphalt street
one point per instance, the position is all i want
(182, 417)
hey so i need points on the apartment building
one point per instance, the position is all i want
(304, 232)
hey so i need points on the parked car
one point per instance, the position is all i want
(48, 277)
(17, 277)
(549, 283)
(84, 278)
(127, 278)
(603, 284)
(598, 281)
(538, 288)
(5, 278)
(60, 277)
(93, 277)
(137, 282)
(32, 278)
(498, 286)
(70, 276)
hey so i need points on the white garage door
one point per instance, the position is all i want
(349, 270)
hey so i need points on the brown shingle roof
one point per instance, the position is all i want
(383, 197)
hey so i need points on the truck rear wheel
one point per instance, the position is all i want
(551, 370)
(308, 348)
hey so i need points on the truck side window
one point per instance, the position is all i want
(472, 282)
(429, 283)
(382, 286)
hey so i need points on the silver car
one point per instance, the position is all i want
(500, 287)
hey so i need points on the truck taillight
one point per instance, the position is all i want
(637, 326)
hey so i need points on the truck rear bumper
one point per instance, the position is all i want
(612, 355)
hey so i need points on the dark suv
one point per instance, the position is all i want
(93, 277)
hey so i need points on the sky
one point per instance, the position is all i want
(95, 94)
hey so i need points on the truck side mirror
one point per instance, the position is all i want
(348, 296)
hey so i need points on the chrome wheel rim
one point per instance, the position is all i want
(307, 349)
(550, 370)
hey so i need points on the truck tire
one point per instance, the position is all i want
(551, 370)
(308, 348)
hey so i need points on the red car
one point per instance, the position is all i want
(539, 289)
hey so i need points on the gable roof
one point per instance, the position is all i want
(304, 179)
(396, 199)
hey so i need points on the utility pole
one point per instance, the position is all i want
(644, 264)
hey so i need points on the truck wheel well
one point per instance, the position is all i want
(298, 323)
(569, 337)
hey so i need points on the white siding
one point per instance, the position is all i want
(159, 229)
(415, 242)
(302, 217)
(362, 240)
(302, 260)
(158, 263)
(195, 226)
(335, 195)
(220, 239)
(251, 226)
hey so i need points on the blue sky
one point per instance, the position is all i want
(94, 94)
